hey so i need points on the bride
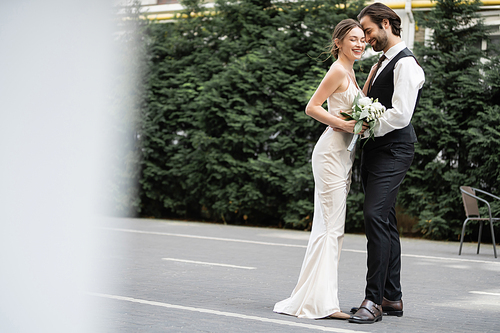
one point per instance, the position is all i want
(316, 292)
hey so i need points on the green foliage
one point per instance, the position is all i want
(457, 122)
(224, 135)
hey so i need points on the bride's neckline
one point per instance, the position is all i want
(350, 79)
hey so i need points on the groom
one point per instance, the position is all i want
(396, 80)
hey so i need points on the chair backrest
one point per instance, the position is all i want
(470, 203)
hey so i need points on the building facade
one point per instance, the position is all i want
(165, 10)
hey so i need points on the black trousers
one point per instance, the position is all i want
(382, 171)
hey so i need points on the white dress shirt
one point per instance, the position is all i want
(408, 79)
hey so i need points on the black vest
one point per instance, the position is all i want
(383, 89)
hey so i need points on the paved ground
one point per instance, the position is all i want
(166, 276)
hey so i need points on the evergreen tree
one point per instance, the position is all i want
(456, 122)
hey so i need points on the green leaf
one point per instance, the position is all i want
(347, 115)
(358, 127)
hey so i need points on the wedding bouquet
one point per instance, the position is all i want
(364, 109)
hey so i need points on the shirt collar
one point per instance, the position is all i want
(395, 50)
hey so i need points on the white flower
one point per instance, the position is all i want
(364, 101)
(372, 109)
(364, 114)
(378, 106)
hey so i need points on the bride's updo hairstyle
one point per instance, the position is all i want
(340, 32)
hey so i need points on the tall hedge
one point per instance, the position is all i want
(457, 123)
(224, 134)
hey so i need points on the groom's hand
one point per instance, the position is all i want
(365, 127)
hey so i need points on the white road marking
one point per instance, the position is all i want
(289, 245)
(226, 314)
(450, 259)
(207, 263)
(355, 251)
(484, 293)
(204, 237)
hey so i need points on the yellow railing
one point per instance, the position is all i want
(393, 5)
(429, 4)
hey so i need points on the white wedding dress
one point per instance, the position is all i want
(316, 292)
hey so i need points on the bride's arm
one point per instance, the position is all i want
(365, 87)
(331, 82)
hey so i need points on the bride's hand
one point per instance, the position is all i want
(345, 126)
(341, 127)
(349, 127)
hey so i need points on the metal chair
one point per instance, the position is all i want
(472, 212)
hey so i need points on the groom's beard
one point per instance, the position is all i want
(381, 41)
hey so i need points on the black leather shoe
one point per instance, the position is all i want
(368, 313)
(389, 308)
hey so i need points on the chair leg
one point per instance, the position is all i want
(462, 236)
(479, 236)
(493, 238)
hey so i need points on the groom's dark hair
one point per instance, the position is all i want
(378, 12)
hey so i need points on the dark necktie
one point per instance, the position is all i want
(382, 58)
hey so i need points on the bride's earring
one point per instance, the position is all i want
(339, 49)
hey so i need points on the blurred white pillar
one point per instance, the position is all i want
(409, 25)
(55, 59)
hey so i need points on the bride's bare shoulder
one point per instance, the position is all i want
(337, 69)
(336, 73)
